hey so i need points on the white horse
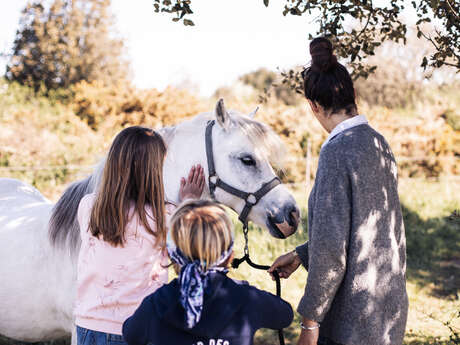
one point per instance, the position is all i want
(39, 242)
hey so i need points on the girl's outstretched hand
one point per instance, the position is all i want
(192, 187)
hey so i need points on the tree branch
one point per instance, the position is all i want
(451, 8)
(429, 39)
(450, 64)
(365, 26)
(448, 47)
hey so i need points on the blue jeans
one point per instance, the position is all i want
(89, 337)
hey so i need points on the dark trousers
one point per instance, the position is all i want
(326, 341)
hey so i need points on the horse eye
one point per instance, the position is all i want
(248, 160)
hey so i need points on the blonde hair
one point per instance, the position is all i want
(202, 230)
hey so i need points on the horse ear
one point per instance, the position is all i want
(222, 117)
(253, 113)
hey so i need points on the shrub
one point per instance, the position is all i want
(122, 104)
(68, 41)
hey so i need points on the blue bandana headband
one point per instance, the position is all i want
(193, 280)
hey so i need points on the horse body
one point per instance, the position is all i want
(39, 242)
(36, 282)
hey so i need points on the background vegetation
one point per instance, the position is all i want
(50, 143)
(61, 105)
(63, 42)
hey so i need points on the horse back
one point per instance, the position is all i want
(17, 193)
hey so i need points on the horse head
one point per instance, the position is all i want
(243, 152)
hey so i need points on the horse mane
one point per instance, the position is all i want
(266, 142)
(63, 230)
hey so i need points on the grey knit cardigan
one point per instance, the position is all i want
(356, 253)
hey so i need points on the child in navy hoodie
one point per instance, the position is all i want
(203, 306)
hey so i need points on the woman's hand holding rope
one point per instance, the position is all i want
(285, 265)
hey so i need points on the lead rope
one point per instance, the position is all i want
(245, 258)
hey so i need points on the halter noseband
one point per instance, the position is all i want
(214, 181)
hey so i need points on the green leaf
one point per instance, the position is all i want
(424, 62)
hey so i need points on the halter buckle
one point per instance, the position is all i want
(251, 199)
(213, 179)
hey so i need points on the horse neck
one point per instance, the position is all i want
(185, 149)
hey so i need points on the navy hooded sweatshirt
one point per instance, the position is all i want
(232, 312)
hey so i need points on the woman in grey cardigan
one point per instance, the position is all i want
(356, 253)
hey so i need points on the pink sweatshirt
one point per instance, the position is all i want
(113, 281)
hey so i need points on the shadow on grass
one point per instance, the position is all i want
(433, 253)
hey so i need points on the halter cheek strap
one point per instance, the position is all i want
(214, 181)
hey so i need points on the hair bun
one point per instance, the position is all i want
(323, 58)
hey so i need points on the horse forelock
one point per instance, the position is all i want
(266, 142)
(63, 230)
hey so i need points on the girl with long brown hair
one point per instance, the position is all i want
(123, 231)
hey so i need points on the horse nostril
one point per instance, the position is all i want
(284, 222)
(295, 215)
(292, 215)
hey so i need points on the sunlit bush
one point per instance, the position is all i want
(38, 130)
(122, 104)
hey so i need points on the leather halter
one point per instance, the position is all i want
(214, 181)
(250, 200)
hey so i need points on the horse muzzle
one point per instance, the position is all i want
(284, 223)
